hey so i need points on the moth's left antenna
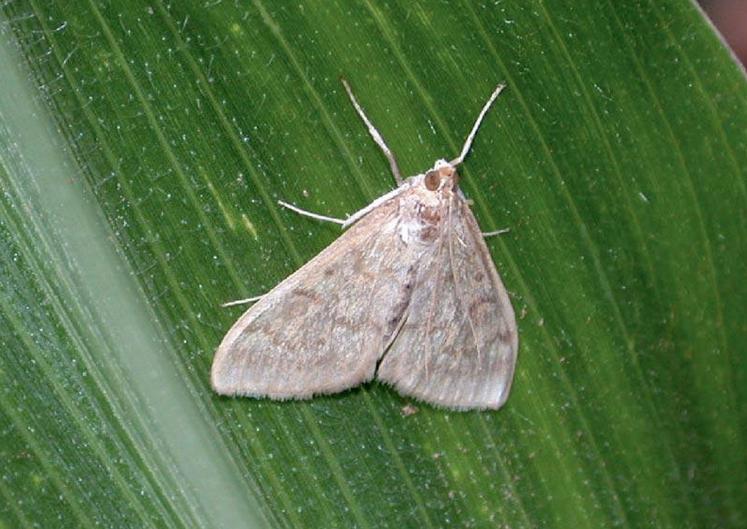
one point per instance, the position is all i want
(374, 134)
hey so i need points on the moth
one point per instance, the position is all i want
(408, 295)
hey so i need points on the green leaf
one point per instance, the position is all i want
(143, 147)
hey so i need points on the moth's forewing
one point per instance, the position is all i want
(458, 346)
(324, 328)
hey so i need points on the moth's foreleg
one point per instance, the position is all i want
(310, 214)
(496, 232)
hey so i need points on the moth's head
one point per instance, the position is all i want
(443, 175)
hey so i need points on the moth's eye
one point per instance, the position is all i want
(432, 179)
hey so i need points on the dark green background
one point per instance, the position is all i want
(143, 146)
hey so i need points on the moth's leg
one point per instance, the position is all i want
(375, 134)
(470, 202)
(242, 301)
(310, 214)
(467, 144)
(496, 232)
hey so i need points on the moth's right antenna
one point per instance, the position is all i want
(374, 134)
(467, 144)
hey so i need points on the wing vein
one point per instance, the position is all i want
(458, 290)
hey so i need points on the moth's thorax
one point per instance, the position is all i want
(424, 210)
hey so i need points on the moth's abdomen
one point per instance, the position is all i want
(397, 310)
